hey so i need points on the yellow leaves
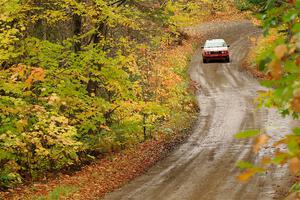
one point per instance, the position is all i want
(40, 151)
(259, 142)
(143, 49)
(60, 119)
(256, 21)
(280, 51)
(253, 39)
(54, 99)
(296, 92)
(294, 165)
(21, 124)
(105, 127)
(54, 16)
(263, 95)
(38, 109)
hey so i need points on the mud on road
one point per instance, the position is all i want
(204, 167)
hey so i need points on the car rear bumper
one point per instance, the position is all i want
(216, 56)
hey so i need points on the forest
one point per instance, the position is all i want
(81, 79)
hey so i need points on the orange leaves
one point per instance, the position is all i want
(292, 50)
(266, 160)
(280, 142)
(295, 104)
(27, 74)
(37, 74)
(276, 69)
(246, 175)
(280, 51)
(21, 124)
(18, 71)
(294, 165)
(166, 74)
(250, 170)
(259, 142)
(298, 61)
(276, 65)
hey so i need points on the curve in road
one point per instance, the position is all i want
(204, 167)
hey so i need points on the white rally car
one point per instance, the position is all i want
(216, 49)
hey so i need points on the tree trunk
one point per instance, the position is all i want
(77, 30)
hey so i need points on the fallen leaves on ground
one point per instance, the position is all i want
(105, 175)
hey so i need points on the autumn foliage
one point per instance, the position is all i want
(82, 78)
(277, 56)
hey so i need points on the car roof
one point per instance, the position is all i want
(215, 42)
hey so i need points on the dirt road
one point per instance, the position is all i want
(203, 167)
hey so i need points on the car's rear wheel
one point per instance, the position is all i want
(205, 60)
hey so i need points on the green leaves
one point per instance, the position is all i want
(295, 188)
(296, 28)
(296, 131)
(297, 4)
(279, 57)
(247, 134)
(74, 80)
(244, 165)
(249, 170)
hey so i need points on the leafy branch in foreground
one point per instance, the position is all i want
(281, 61)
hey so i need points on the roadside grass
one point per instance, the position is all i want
(243, 5)
(60, 192)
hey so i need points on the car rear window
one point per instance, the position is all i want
(213, 44)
